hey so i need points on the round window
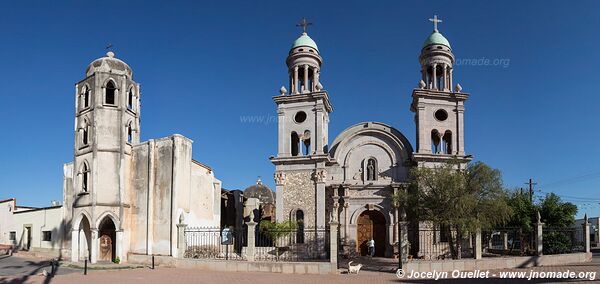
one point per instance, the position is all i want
(441, 115)
(300, 117)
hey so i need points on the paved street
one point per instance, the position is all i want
(28, 270)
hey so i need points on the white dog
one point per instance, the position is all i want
(353, 268)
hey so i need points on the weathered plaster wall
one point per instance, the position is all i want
(138, 198)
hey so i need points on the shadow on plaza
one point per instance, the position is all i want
(36, 273)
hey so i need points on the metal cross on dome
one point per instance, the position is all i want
(109, 47)
(304, 24)
(435, 21)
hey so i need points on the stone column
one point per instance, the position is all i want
(333, 244)
(119, 246)
(424, 145)
(306, 90)
(434, 76)
(320, 192)
(586, 233)
(346, 205)
(478, 246)
(94, 246)
(75, 245)
(460, 136)
(445, 78)
(181, 240)
(404, 240)
(505, 241)
(251, 240)
(317, 141)
(450, 79)
(538, 236)
(295, 89)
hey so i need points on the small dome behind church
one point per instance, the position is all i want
(109, 64)
(260, 191)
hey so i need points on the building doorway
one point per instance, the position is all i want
(27, 235)
(107, 240)
(371, 225)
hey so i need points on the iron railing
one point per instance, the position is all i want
(215, 243)
(507, 241)
(300, 244)
(563, 240)
(434, 244)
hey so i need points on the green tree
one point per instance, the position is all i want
(523, 217)
(460, 200)
(556, 213)
(277, 231)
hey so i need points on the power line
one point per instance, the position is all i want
(570, 180)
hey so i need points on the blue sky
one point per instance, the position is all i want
(204, 65)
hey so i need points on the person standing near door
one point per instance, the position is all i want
(371, 246)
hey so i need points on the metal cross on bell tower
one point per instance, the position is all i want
(304, 24)
(435, 21)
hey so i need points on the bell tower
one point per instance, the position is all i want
(107, 123)
(439, 109)
(303, 119)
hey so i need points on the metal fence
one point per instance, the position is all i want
(507, 241)
(300, 244)
(563, 240)
(435, 244)
(214, 243)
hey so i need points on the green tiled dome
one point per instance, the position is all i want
(436, 38)
(305, 40)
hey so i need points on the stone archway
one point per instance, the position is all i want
(84, 236)
(370, 224)
(107, 240)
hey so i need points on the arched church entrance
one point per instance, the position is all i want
(371, 225)
(108, 235)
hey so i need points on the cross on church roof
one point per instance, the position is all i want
(435, 21)
(109, 47)
(304, 24)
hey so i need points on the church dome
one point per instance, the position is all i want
(305, 40)
(109, 64)
(260, 191)
(436, 38)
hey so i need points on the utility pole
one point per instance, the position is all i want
(531, 184)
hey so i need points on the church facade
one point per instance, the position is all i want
(352, 180)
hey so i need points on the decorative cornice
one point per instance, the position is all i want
(306, 97)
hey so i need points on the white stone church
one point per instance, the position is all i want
(120, 195)
(352, 179)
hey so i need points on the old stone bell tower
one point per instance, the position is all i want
(439, 110)
(303, 118)
(107, 125)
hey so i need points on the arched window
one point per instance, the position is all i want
(295, 141)
(435, 142)
(129, 133)
(371, 169)
(85, 97)
(306, 142)
(300, 222)
(447, 142)
(130, 99)
(85, 132)
(111, 92)
(85, 171)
